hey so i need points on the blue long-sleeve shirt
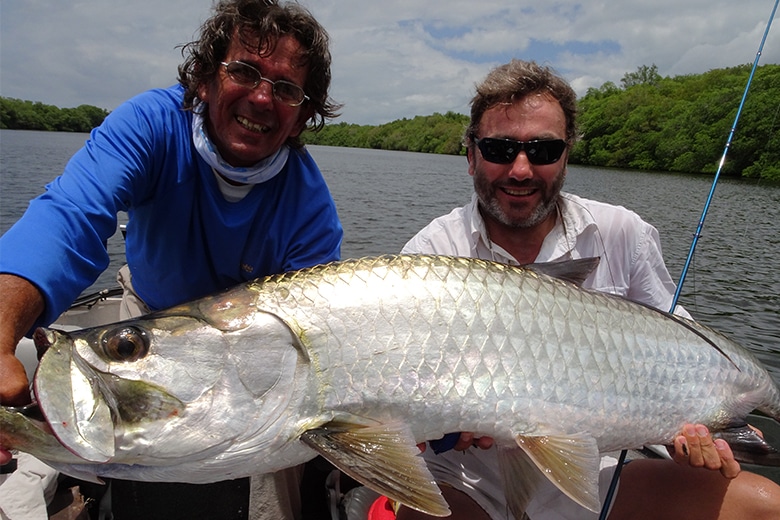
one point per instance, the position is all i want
(184, 240)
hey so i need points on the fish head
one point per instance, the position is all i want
(95, 386)
(186, 384)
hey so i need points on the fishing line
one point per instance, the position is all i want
(615, 477)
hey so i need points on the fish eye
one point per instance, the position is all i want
(125, 344)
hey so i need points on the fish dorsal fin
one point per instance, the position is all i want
(570, 462)
(383, 458)
(520, 478)
(574, 271)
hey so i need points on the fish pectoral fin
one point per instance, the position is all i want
(520, 478)
(383, 458)
(570, 462)
(573, 271)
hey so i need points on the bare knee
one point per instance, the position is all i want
(752, 496)
(664, 489)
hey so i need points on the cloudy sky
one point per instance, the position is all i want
(391, 58)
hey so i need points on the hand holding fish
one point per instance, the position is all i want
(467, 440)
(696, 447)
(458, 442)
(13, 388)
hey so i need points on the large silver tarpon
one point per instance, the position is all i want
(361, 360)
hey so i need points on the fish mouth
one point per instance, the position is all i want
(25, 429)
(253, 127)
(70, 399)
(32, 411)
(86, 407)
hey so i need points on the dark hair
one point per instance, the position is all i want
(516, 80)
(260, 24)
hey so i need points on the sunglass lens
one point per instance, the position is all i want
(498, 151)
(544, 152)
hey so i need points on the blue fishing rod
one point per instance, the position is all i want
(621, 460)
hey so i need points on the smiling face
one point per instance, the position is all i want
(248, 125)
(519, 195)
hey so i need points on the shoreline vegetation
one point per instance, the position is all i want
(648, 122)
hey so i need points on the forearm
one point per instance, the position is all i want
(22, 304)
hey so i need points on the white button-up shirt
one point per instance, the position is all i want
(631, 262)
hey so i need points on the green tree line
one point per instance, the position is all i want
(17, 114)
(649, 122)
(436, 133)
(682, 123)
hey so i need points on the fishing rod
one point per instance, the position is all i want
(697, 235)
(615, 477)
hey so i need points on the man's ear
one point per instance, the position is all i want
(203, 91)
(470, 158)
(306, 114)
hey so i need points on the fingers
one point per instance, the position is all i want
(729, 466)
(458, 441)
(701, 449)
(483, 443)
(695, 447)
(467, 440)
(464, 442)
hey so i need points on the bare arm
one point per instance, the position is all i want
(21, 304)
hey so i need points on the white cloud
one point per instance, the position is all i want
(391, 59)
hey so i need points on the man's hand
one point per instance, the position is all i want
(695, 447)
(462, 442)
(467, 440)
(14, 389)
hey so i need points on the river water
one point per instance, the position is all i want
(385, 197)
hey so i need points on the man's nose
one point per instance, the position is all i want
(521, 167)
(263, 92)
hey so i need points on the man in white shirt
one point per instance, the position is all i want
(522, 127)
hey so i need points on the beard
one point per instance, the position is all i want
(488, 202)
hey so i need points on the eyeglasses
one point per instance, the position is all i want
(505, 151)
(246, 75)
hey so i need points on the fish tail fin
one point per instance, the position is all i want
(749, 447)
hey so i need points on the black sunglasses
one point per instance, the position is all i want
(505, 151)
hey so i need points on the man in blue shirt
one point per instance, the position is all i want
(215, 180)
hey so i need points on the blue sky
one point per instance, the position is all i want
(391, 59)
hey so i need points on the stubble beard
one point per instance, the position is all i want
(488, 202)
